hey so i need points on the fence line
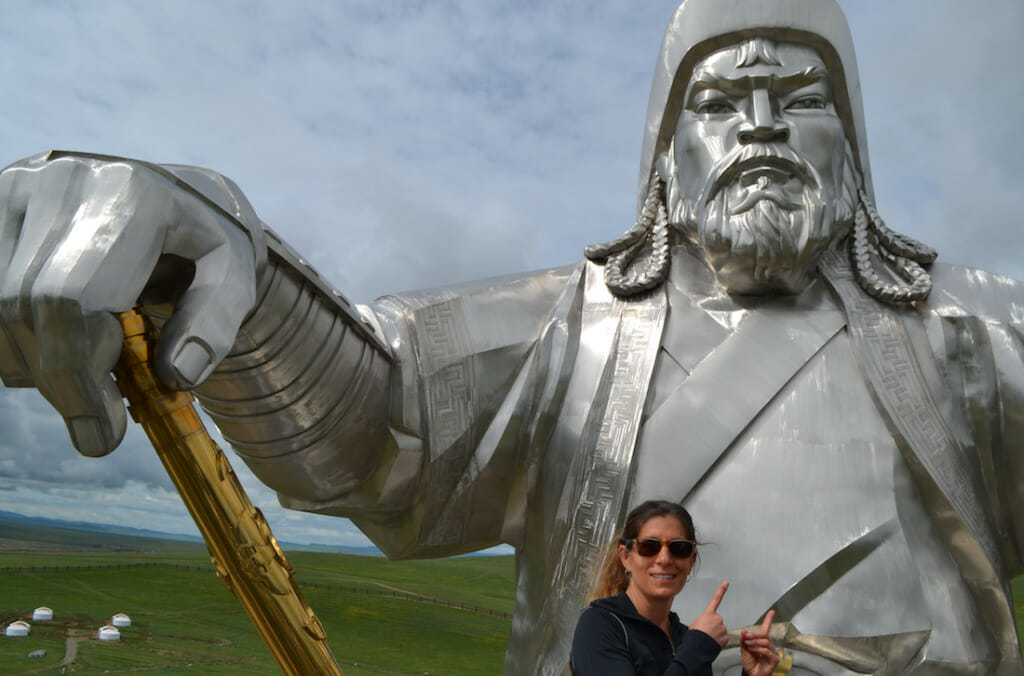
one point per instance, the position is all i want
(389, 593)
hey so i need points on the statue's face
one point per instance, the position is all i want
(759, 156)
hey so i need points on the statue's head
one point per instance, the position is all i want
(757, 171)
(754, 149)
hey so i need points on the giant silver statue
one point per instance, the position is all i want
(845, 425)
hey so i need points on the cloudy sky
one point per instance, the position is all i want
(400, 144)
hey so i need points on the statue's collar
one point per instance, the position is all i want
(691, 276)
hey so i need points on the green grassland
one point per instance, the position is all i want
(1018, 607)
(447, 616)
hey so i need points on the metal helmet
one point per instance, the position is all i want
(700, 27)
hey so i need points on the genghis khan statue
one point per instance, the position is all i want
(846, 425)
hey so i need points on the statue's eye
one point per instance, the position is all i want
(715, 107)
(807, 103)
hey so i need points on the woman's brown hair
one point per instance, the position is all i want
(610, 576)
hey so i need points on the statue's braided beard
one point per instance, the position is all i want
(639, 259)
(759, 240)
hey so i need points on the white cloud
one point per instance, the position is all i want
(940, 93)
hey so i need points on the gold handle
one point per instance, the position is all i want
(785, 663)
(237, 536)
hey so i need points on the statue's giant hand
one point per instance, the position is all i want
(81, 238)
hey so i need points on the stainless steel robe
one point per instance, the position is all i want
(515, 408)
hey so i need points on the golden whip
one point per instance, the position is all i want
(244, 550)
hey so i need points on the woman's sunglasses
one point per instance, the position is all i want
(647, 547)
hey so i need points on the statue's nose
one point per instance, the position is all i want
(762, 124)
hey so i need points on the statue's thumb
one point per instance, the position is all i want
(204, 326)
(186, 354)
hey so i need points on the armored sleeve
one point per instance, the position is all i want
(306, 368)
(415, 417)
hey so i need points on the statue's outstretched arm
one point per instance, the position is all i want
(378, 414)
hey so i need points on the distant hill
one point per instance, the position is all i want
(11, 518)
(18, 531)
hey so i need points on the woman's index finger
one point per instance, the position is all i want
(719, 594)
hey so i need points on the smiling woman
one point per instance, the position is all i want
(630, 628)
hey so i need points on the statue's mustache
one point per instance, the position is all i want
(787, 194)
(772, 156)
